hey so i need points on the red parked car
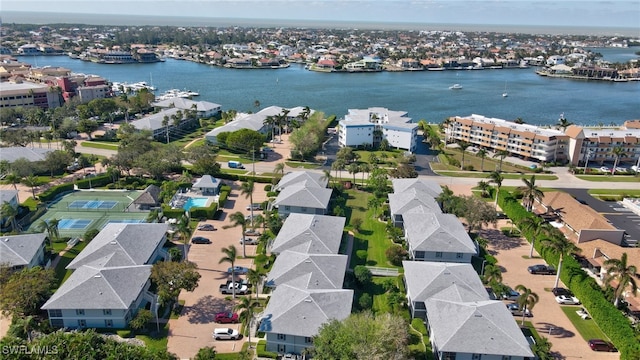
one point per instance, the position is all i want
(226, 317)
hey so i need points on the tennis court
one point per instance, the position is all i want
(81, 211)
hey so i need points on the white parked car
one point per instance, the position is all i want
(634, 168)
(225, 334)
(621, 169)
(567, 300)
(604, 169)
(249, 241)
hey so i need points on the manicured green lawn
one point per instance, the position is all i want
(100, 145)
(304, 165)
(484, 175)
(609, 178)
(61, 273)
(588, 329)
(490, 164)
(621, 192)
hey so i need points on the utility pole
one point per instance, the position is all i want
(586, 161)
(253, 165)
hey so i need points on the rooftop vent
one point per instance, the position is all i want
(97, 276)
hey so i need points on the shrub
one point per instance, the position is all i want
(365, 301)
(356, 223)
(54, 191)
(262, 352)
(395, 254)
(272, 194)
(468, 167)
(362, 256)
(362, 274)
(267, 187)
(208, 212)
(90, 234)
(222, 199)
(170, 213)
(97, 181)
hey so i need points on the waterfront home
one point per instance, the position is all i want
(161, 122)
(23, 251)
(308, 271)
(293, 316)
(312, 234)
(370, 126)
(203, 109)
(596, 144)
(438, 237)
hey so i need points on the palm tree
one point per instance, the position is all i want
(11, 214)
(31, 181)
(230, 256)
(530, 192)
(564, 123)
(247, 308)
(518, 120)
(625, 275)
(255, 278)
(496, 178)
(238, 219)
(527, 300)
(536, 227)
(482, 153)
(500, 154)
(364, 168)
(492, 274)
(165, 123)
(353, 168)
(278, 170)
(562, 246)
(271, 122)
(617, 151)
(246, 189)
(326, 175)
(463, 147)
(52, 229)
(484, 188)
(184, 232)
(374, 203)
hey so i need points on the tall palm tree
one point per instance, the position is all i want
(564, 123)
(230, 256)
(530, 192)
(625, 275)
(271, 122)
(500, 154)
(247, 308)
(238, 219)
(562, 246)
(492, 274)
(278, 170)
(618, 152)
(165, 123)
(246, 189)
(484, 188)
(482, 154)
(52, 229)
(527, 300)
(463, 147)
(537, 228)
(184, 232)
(326, 175)
(32, 182)
(353, 168)
(496, 178)
(11, 214)
(255, 278)
(364, 168)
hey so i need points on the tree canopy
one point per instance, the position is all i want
(23, 292)
(172, 277)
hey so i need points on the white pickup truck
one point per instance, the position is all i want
(228, 288)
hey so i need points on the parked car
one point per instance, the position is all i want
(514, 308)
(252, 232)
(234, 287)
(226, 317)
(541, 269)
(249, 241)
(510, 294)
(238, 270)
(225, 334)
(255, 206)
(567, 300)
(583, 314)
(634, 168)
(200, 240)
(604, 169)
(601, 345)
(561, 291)
(206, 227)
(621, 169)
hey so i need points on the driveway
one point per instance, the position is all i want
(548, 318)
(192, 330)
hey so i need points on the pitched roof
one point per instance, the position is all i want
(7, 195)
(426, 279)
(479, 327)
(303, 196)
(187, 104)
(306, 178)
(301, 312)
(121, 244)
(154, 121)
(437, 232)
(150, 196)
(14, 153)
(573, 213)
(400, 203)
(207, 181)
(313, 234)
(308, 271)
(19, 250)
(94, 287)
(427, 186)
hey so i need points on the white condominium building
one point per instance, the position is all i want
(368, 127)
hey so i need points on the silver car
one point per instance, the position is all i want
(225, 334)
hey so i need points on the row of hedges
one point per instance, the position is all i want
(261, 350)
(611, 320)
(53, 192)
(208, 212)
(172, 213)
(222, 197)
(97, 181)
(243, 177)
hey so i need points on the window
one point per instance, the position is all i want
(477, 356)
(82, 323)
(79, 311)
(55, 313)
(303, 209)
(57, 323)
(308, 340)
(419, 254)
(287, 208)
(282, 337)
(506, 357)
(458, 255)
(438, 254)
(106, 311)
(449, 356)
(108, 323)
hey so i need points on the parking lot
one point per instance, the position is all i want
(548, 318)
(192, 330)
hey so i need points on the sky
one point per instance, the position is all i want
(612, 13)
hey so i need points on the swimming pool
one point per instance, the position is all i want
(197, 202)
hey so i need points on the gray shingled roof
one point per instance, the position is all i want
(186, 104)
(308, 271)
(307, 178)
(303, 196)
(427, 186)
(154, 121)
(150, 196)
(437, 232)
(301, 312)
(401, 203)
(482, 327)
(94, 287)
(122, 245)
(207, 181)
(19, 250)
(14, 153)
(313, 234)
(425, 279)
(7, 195)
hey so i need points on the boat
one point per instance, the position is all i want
(505, 94)
(176, 93)
(455, 87)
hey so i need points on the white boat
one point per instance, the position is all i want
(455, 87)
(176, 93)
(505, 94)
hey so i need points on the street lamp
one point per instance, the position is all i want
(482, 270)
(157, 307)
(586, 161)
